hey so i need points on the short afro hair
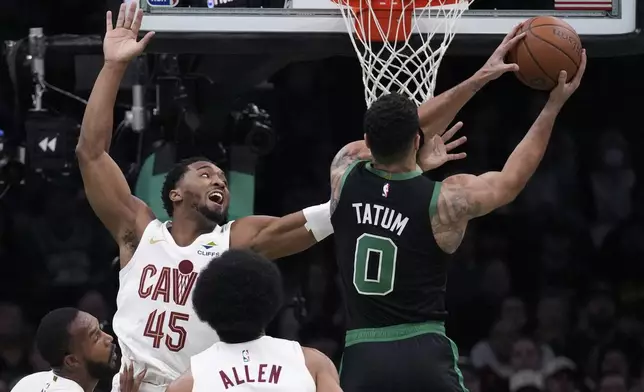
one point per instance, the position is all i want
(238, 294)
(391, 123)
(172, 179)
(53, 338)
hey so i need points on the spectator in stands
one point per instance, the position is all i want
(528, 355)
(92, 302)
(526, 381)
(495, 352)
(513, 311)
(611, 181)
(614, 361)
(560, 375)
(612, 383)
(596, 324)
(553, 322)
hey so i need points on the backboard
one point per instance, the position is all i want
(312, 21)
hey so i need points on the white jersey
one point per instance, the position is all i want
(46, 382)
(155, 322)
(265, 364)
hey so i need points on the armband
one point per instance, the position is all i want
(318, 220)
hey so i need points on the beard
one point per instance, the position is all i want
(104, 370)
(100, 370)
(219, 217)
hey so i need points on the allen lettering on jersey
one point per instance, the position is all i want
(169, 283)
(251, 374)
(389, 219)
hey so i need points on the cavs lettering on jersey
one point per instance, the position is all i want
(155, 323)
(263, 364)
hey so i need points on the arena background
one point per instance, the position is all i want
(559, 273)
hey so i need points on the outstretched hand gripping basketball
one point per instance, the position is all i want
(120, 44)
(496, 66)
(560, 94)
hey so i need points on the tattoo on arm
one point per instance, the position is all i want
(450, 222)
(343, 159)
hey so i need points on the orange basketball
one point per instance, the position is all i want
(550, 46)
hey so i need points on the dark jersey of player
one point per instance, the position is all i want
(392, 270)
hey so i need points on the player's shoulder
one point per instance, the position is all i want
(31, 381)
(316, 361)
(46, 381)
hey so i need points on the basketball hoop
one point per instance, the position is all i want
(381, 33)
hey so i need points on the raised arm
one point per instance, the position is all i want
(438, 112)
(322, 370)
(463, 197)
(105, 186)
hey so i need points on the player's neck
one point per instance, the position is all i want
(186, 229)
(398, 167)
(85, 381)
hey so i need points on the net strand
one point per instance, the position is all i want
(397, 66)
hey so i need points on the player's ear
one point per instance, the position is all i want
(417, 142)
(175, 195)
(71, 361)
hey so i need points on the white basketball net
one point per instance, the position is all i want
(398, 66)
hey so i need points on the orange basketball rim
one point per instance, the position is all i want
(387, 20)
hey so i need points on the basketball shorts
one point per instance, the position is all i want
(408, 357)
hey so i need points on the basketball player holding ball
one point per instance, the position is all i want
(395, 230)
(155, 322)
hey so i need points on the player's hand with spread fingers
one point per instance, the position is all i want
(128, 382)
(120, 44)
(496, 66)
(560, 94)
(435, 152)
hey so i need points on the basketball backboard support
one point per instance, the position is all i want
(316, 27)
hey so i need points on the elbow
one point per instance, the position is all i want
(511, 188)
(85, 152)
(511, 191)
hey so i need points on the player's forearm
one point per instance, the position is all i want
(437, 113)
(525, 158)
(96, 130)
(294, 233)
(283, 237)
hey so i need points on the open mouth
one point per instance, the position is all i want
(216, 197)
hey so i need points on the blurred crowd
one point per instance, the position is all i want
(546, 295)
